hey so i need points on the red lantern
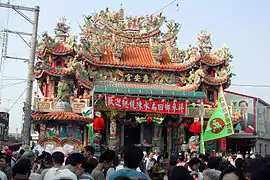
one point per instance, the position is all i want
(80, 97)
(138, 99)
(195, 127)
(99, 124)
(149, 119)
(150, 99)
(187, 101)
(198, 101)
(163, 100)
(175, 101)
(72, 98)
(89, 97)
(100, 96)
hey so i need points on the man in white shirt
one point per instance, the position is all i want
(58, 160)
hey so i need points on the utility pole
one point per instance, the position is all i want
(31, 78)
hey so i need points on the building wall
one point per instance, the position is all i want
(263, 146)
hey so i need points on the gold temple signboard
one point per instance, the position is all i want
(78, 106)
(137, 77)
(45, 106)
(193, 112)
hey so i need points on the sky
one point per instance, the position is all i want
(243, 25)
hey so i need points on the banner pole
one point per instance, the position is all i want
(202, 148)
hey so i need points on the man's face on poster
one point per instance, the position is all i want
(243, 106)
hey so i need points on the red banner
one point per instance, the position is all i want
(143, 105)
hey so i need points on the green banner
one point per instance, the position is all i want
(90, 134)
(220, 123)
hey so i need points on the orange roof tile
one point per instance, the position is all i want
(140, 57)
(60, 116)
(60, 48)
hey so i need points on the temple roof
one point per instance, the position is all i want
(109, 39)
(60, 116)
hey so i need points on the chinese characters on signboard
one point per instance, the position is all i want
(228, 121)
(142, 105)
(137, 77)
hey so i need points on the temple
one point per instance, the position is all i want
(127, 78)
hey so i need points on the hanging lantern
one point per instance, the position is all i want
(195, 126)
(72, 98)
(89, 97)
(175, 101)
(198, 101)
(138, 99)
(150, 99)
(163, 100)
(99, 124)
(100, 96)
(80, 97)
(149, 119)
(187, 101)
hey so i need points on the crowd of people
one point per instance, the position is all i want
(132, 163)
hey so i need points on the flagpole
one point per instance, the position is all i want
(202, 149)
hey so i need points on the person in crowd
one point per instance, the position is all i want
(105, 162)
(29, 155)
(211, 174)
(116, 163)
(173, 163)
(150, 162)
(193, 167)
(213, 163)
(21, 152)
(5, 165)
(91, 161)
(180, 172)
(57, 160)
(158, 170)
(203, 164)
(85, 175)
(132, 158)
(72, 169)
(239, 164)
(181, 159)
(231, 173)
(22, 169)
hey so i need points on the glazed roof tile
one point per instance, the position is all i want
(60, 116)
(60, 49)
(140, 57)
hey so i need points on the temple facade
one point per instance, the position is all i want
(145, 89)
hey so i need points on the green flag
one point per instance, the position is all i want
(220, 123)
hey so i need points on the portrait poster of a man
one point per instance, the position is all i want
(247, 121)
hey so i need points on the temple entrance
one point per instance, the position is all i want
(131, 135)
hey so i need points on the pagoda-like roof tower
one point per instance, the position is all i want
(109, 40)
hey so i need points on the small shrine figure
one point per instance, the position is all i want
(85, 94)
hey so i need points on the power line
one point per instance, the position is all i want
(167, 5)
(252, 85)
(17, 100)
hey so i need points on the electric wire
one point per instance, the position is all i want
(167, 5)
(17, 100)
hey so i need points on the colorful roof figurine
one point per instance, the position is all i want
(110, 40)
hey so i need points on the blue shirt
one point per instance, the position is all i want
(132, 174)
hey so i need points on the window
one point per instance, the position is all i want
(59, 63)
(210, 96)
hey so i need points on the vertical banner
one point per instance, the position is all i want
(90, 134)
(223, 144)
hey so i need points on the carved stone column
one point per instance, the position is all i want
(113, 138)
(156, 138)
